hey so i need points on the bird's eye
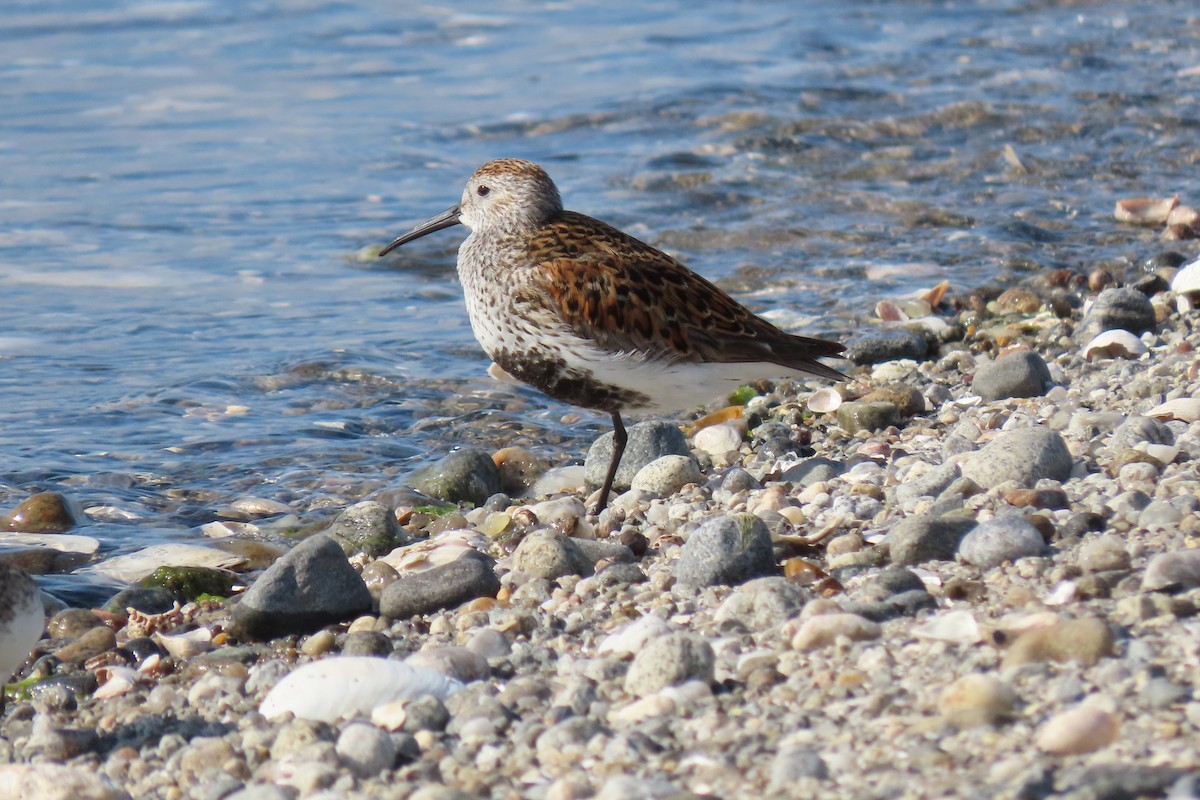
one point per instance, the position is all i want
(482, 191)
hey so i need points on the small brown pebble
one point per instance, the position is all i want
(1037, 498)
(1099, 279)
(1018, 300)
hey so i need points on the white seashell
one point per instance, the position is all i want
(349, 686)
(444, 548)
(116, 681)
(634, 637)
(957, 627)
(1079, 730)
(1185, 409)
(1115, 343)
(1187, 279)
(187, 644)
(717, 440)
(824, 401)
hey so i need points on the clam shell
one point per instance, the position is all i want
(824, 401)
(1114, 343)
(1187, 279)
(1145, 210)
(1185, 409)
(349, 686)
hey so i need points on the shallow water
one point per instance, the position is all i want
(189, 192)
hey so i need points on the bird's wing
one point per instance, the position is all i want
(624, 295)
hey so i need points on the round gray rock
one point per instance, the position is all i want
(548, 554)
(310, 586)
(368, 527)
(668, 661)
(1022, 374)
(728, 549)
(1024, 456)
(1001, 539)
(647, 442)
(1123, 308)
(666, 475)
(365, 749)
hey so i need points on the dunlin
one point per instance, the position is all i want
(592, 316)
(22, 618)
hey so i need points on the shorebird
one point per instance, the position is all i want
(22, 619)
(593, 317)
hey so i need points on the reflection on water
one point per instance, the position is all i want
(188, 188)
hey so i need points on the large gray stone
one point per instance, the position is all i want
(1004, 538)
(310, 586)
(1124, 308)
(647, 441)
(1025, 456)
(729, 549)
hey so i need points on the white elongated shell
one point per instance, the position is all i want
(824, 401)
(1185, 409)
(1115, 343)
(349, 686)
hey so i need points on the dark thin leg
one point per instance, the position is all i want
(620, 438)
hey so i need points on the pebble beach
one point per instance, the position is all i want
(969, 571)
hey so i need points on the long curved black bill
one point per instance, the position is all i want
(446, 219)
